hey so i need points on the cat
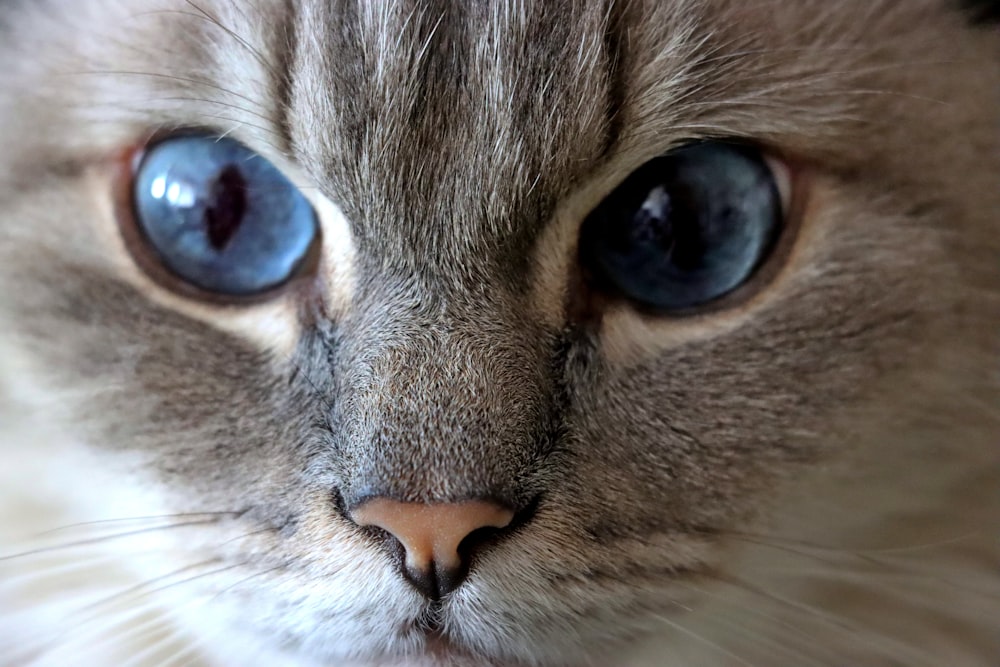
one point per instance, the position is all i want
(416, 332)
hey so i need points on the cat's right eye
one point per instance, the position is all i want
(220, 217)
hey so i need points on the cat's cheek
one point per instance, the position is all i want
(83, 517)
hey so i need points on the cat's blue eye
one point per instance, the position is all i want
(686, 228)
(220, 216)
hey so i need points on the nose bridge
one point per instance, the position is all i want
(448, 409)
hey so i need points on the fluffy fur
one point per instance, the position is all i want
(808, 477)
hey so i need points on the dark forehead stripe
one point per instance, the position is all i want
(449, 129)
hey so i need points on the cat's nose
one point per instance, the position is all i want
(431, 536)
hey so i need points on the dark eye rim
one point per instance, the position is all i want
(601, 294)
(300, 283)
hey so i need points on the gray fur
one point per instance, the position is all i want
(765, 484)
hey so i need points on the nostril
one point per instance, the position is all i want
(339, 504)
(524, 515)
(478, 539)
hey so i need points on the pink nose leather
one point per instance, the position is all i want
(431, 534)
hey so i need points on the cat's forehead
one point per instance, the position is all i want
(447, 129)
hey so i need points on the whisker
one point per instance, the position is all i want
(116, 628)
(756, 611)
(201, 13)
(132, 624)
(805, 647)
(137, 519)
(170, 77)
(227, 105)
(824, 555)
(146, 592)
(144, 112)
(252, 577)
(143, 656)
(146, 587)
(687, 632)
(106, 538)
(831, 620)
(100, 629)
(766, 539)
(799, 651)
(299, 371)
(13, 582)
(183, 656)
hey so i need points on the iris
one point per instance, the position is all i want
(685, 228)
(220, 216)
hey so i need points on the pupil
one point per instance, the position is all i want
(228, 205)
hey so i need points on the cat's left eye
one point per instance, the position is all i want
(220, 217)
(687, 228)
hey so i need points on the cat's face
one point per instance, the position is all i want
(706, 481)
